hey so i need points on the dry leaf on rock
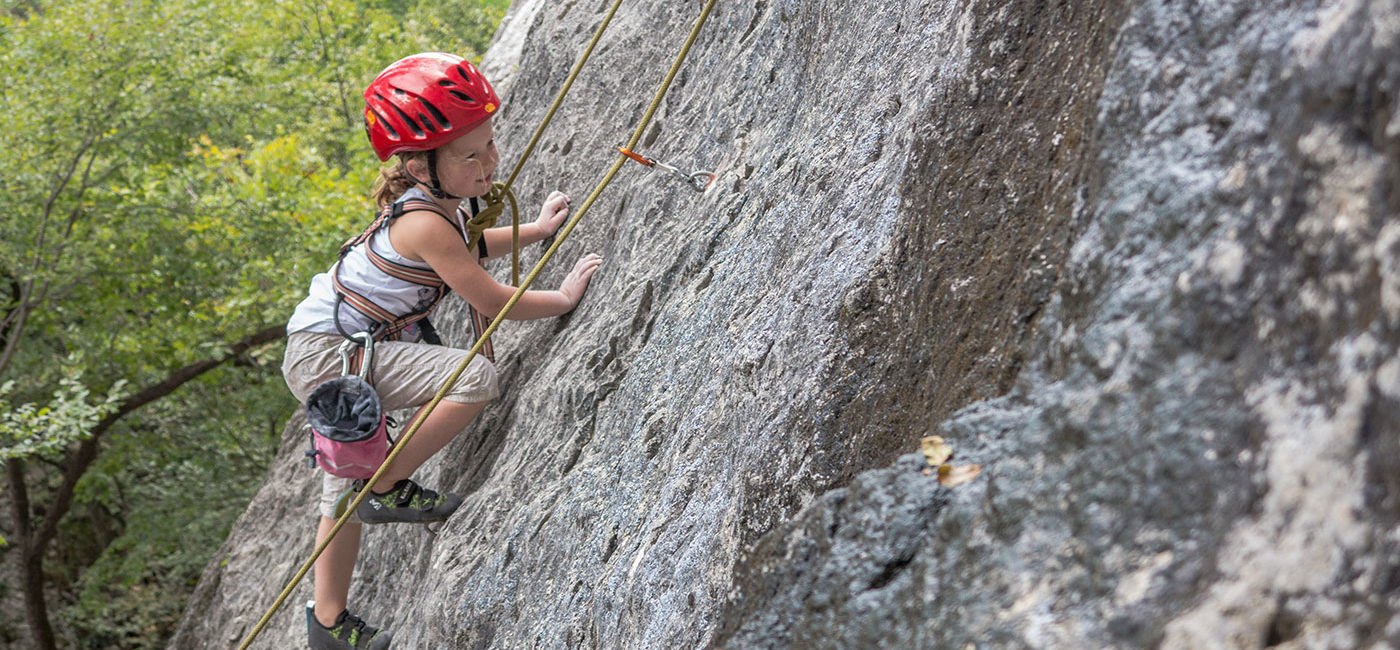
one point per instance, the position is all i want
(935, 450)
(953, 475)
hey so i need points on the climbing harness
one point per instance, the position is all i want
(389, 325)
(697, 180)
(560, 237)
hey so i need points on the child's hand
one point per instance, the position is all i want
(553, 213)
(577, 281)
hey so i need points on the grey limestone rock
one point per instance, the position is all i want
(1138, 260)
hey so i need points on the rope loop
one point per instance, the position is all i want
(496, 201)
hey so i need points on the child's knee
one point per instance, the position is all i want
(483, 385)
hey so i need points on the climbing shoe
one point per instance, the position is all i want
(348, 633)
(407, 502)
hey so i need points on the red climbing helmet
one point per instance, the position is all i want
(424, 101)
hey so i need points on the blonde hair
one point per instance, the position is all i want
(394, 179)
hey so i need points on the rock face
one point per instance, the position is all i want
(1139, 260)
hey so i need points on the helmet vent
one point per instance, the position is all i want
(446, 82)
(437, 115)
(417, 130)
(393, 135)
(462, 96)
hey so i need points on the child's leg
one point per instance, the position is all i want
(334, 568)
(409, 375)
(444, 423)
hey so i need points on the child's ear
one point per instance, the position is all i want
(417, 166)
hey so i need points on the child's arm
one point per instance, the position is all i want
(552, 215)
(426, 237)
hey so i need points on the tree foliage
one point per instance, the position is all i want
(30, 429)
(176, 172)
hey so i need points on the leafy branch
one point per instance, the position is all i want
(30, 429)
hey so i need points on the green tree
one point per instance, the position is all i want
(176, 171)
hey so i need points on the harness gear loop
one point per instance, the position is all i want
(699, 180)
(481, 341)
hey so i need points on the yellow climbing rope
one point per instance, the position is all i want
(501, 191)
(520, 291)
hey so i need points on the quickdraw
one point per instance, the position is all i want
(699, 181)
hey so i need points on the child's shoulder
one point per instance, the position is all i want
(417, 230)
(426, 221)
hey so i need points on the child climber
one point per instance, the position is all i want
(433, 111)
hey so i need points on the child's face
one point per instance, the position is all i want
(467, 165)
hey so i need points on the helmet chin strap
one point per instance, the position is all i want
(435, 187)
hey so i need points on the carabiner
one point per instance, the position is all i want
(367, 342)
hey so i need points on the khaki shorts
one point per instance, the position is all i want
(406, 375)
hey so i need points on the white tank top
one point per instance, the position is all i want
(316, 312)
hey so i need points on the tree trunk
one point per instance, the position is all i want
(31, 559)
(9, 338)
